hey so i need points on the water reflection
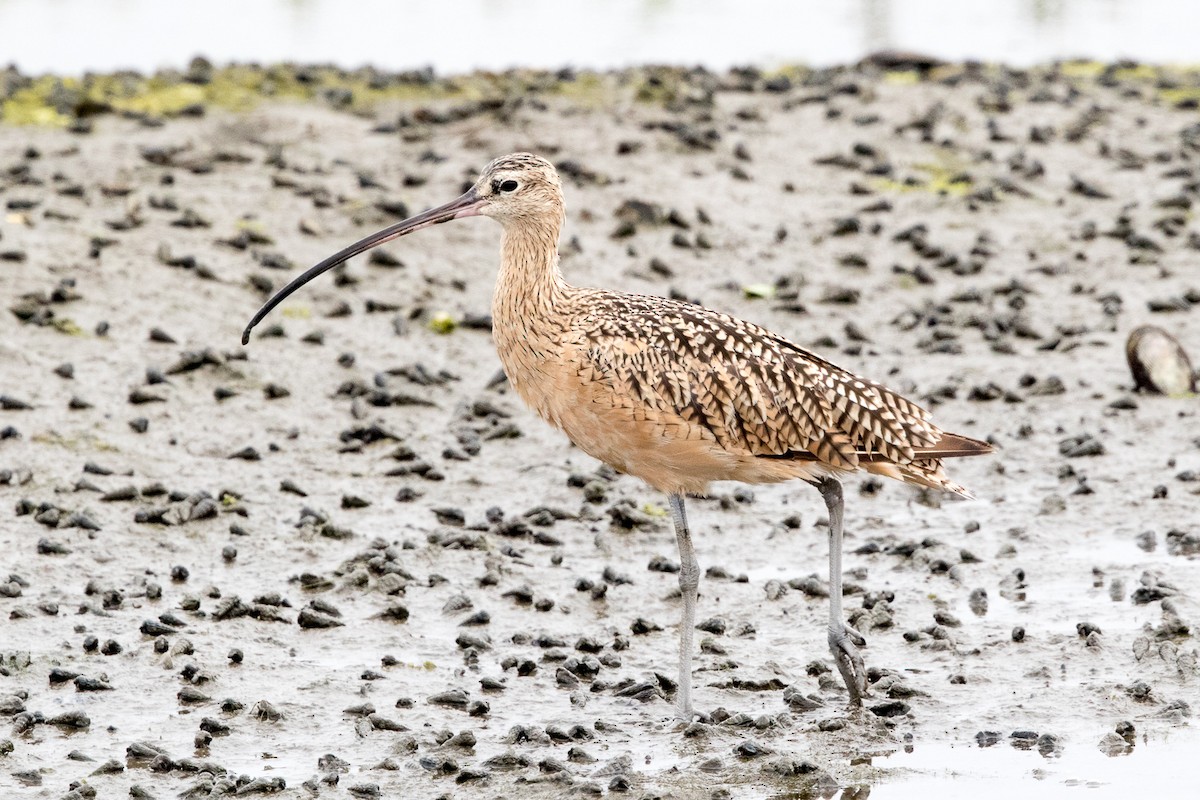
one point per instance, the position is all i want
(1041, 11)
(876, 25)
(986, 770)
(77, 35)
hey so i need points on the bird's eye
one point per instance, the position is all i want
(508, 186)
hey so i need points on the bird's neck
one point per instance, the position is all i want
(529, 282)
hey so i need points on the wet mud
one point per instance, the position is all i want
(344, 561)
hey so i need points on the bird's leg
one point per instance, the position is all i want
(844, 641)
(689, 582)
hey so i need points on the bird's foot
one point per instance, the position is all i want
(684, 714)
(844, 642)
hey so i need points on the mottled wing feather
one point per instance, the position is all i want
(752, 390)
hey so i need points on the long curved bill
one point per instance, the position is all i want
(468, 205)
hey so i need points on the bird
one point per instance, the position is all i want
(677, 394)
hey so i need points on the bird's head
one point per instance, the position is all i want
(517, 189)
(520, 187)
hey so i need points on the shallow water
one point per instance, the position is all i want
(1153, 768)
(71, 36)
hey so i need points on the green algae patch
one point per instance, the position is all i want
(78, 444)
(653, 510)
(442, 323)
(587, 89)
(162, 100)
(1174, 83)
(944, 181)
(1083, 69)
(32, 105)
(1141, 72)
(902, 77)
(66, 326)
(53, 101)
(56, 101)
(796, 73)
(254, 226)
(28, 109)
(167, 95)
(669, 87)
(1187, 96)
(939, 179)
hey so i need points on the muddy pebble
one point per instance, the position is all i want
(50, 547)
(263, 786)
(265, 710)
(394, 612)
(190, 695)
(110, 767)
(1112, 744)
(84, 683)
(70, 719)
(662, 564)
(59, 675)
(453, 697)
(987, 738)
(947, 619)
(1050, 745)
(247, 453)
(978, 601)
(310, 618)
(1080, 446)
(140, 396)
(892, 708)
(1023, 739)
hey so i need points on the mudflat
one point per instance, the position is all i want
(345, 561)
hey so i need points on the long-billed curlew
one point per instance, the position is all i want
(676, 394)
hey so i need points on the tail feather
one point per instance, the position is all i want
(953, 445)
(926, 469)
(922, 472)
